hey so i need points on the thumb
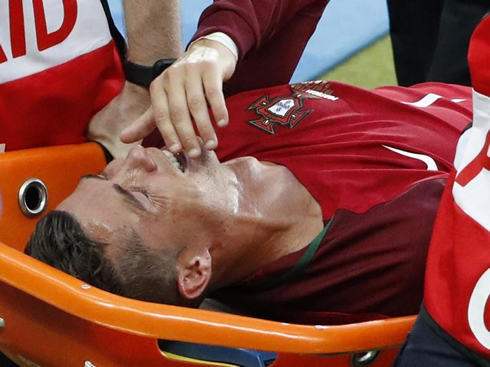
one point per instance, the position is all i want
(140, 128)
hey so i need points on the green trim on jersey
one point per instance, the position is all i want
(302, 263)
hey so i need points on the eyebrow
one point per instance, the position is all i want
(128, 196)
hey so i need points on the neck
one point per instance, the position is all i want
(272, 215)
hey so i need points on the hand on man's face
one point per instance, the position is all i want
(182, 94)
(107, 124)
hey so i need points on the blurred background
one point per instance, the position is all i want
(351, 43)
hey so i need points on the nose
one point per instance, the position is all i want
(138, 158)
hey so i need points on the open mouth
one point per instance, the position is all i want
(177, 160)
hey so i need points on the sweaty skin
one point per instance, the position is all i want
(235, 211)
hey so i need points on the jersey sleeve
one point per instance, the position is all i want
(271, 36)
(250, 23)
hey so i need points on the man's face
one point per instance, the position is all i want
(166, 201)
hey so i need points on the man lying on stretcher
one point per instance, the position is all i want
(316, 207)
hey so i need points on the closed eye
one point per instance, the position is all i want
(130, 197)
(140, 191)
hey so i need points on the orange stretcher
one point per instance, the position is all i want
(48, 318)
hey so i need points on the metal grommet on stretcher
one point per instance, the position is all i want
(364, 359)
(33, 197)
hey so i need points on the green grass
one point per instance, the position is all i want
(369, 68)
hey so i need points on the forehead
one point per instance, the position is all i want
(87, 196)
(99, 208)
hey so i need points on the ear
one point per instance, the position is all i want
(194, 274)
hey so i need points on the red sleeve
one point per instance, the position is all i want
(270, 35)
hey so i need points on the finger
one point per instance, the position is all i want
(161, 113)
(140, 128)
(180, 119)
(198, 107)
(213, 87)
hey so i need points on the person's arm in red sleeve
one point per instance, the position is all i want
(270, 36)
(282, 43)
(252, 23)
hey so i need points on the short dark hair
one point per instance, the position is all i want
(136, 272)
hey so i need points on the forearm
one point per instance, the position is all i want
(153, 29)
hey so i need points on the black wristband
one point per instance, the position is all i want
(143, 75)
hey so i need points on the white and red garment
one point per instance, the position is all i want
(58, 67)
(457, 285)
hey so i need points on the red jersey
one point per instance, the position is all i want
(458, 267)
(271, 36)
(58, 67)
(376, 162)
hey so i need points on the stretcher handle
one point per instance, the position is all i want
(190, 325)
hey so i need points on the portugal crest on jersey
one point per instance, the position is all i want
(283, 110)
(287, 110)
